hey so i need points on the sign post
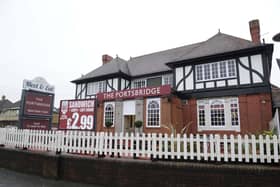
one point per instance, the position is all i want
(36, 104)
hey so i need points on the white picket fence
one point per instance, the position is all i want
(157, 146)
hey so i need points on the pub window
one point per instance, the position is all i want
(218, 114)
(96, 87)
(140, 83)
(167, 79)
(153, 112)
(223, 70)
(207, 71)
(199, 73)
(231, 68)
(155, 81)
(216, 70)
(109, 111)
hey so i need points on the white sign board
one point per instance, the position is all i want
(38, 84)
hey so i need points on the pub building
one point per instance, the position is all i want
(220, 85)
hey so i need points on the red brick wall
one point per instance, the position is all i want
(171, 115)
(255, 114)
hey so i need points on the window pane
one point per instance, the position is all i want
(199, 72)
(217, 114)
(201, 115)
(231, 68)
(139, 83)
(207, 71)
(167, 79)
(223, 70)
(109, 113)
(215, 73)
(234, 113)
(153, 112)
(154, 81)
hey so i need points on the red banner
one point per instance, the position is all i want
(134, 93)
(37, 104)
(41, 124)
(77, 114)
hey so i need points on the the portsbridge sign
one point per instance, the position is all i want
(134, 93)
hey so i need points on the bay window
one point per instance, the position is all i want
(218, 114)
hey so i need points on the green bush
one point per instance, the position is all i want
(108, 124)
(138, 123)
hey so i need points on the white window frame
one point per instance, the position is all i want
(227, 101)
(201, 72)
(148, 101)
(96, 87)
(139, 81)
(104, 111)
(167, 80)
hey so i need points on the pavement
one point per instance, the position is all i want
(10, 178)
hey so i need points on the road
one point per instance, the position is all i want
(10, 178)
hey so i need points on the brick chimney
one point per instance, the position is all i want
(255, 31)
(106, 58)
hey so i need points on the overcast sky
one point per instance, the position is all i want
(62, 39)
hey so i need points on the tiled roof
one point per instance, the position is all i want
(156, 62)
(4, 104)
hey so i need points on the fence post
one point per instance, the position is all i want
(185, 146)
(166, 146)
(246, 148)
(225, 138)
(143, 148)
(239, 141)
(137, 145)
(254, 150)
(261, 148)
(268, 153)
(172, 146)
(218, 147)
(205, 147)
(212, 154)
(191, 147)
(198, 156)
(126, 144)
(275, 149)
(121, 144)
(178, 146)
(154, 146)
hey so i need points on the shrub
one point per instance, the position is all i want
(138, 123)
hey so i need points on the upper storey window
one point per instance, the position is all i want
(140, 83)
(167, 79)
(216, 70)
(96, 87)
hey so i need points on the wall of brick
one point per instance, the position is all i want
(171, 115)
(255, 113)
(120, 172)
(43, 164)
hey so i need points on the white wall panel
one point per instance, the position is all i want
(244, 74)
(221, 83)
(189, 80)
(199, 85)
(232, 82)
(210, 85)
(256, 62)
(179, 76)
(115, 83)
